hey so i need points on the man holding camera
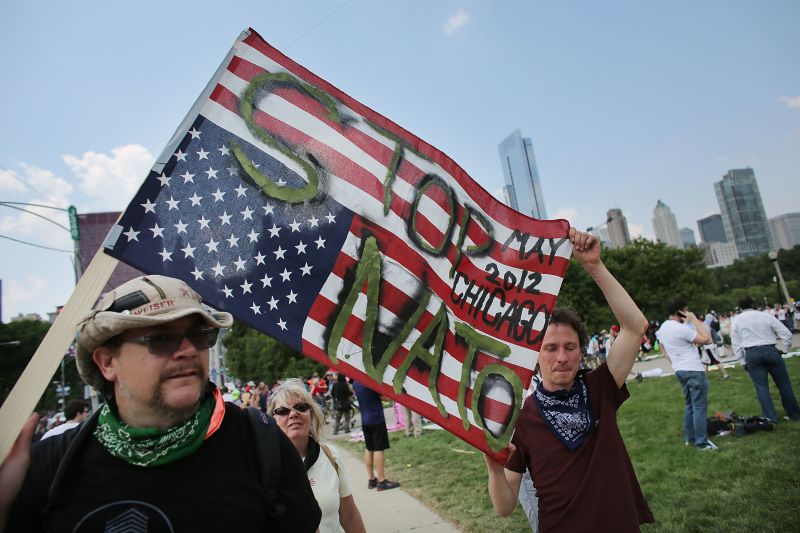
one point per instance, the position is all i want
(679, 338)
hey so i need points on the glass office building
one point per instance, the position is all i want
(523, 190)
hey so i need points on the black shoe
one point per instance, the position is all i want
(372, 483)
(387, 484)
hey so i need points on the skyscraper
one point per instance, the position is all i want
(786, 230)
(523, 190)
(687, 237)
(618, 228)
(743, 214)
(665, 226)
(711, 229)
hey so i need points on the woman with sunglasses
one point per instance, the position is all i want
(301, 418)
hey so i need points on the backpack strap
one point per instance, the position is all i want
(72, 441)
(330, 457)
(265, 433)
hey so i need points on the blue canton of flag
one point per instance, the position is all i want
(261, 259)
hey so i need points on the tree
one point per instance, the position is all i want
(15, 358)
(251, 355)
(653, 274)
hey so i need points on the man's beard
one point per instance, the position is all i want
(156, 398)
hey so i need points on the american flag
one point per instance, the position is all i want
(455, 266)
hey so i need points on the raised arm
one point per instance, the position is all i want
(632, 323)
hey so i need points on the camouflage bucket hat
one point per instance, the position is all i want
(140, 302)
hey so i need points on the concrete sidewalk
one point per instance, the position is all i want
(388, 511)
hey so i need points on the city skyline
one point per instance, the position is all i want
(621, 113)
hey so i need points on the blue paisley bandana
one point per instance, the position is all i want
(568, 414)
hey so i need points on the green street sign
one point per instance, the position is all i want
(73, 223)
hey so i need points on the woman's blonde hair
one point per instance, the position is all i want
(295, 389)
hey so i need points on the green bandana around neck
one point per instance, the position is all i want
(153, 446)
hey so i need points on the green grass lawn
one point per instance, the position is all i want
(750, 484)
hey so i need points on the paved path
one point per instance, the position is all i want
(728, 360)
(388, 511)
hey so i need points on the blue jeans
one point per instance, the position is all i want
(767, 359)
(695, 394)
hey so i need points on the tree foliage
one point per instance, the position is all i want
(15, 358)
(251, 355)
(654, 274)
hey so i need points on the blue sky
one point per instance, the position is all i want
(626, 102)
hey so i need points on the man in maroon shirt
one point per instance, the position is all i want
(567, 434)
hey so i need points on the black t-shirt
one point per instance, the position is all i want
(217, 488)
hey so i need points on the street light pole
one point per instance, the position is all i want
(773, 256)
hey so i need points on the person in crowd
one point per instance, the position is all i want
(76, 412)
(754, 335)
(163, 439)
(342, 396)
(566, 433)
(680, 336)
(710, 355)
(300, 417)
(413, 422)
(376, 438)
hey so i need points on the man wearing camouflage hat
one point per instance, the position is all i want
(159, 452)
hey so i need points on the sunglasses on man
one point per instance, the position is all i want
(299, 407)
(167, 343)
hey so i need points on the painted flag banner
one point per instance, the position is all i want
(323, 224)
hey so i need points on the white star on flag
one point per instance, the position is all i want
(246, 287)
(218, 269)
(149, 207)
(132, 235)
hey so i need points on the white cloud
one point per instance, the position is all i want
(51, 190)
(16, 293)
(569, 213)
(455, 22)
(791, 101)
(111, 180)
(9, 183)
(43, 182)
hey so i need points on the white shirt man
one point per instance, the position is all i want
(679, 344)
(754, 335)
(76, 412)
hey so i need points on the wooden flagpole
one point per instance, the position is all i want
(37, 375)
